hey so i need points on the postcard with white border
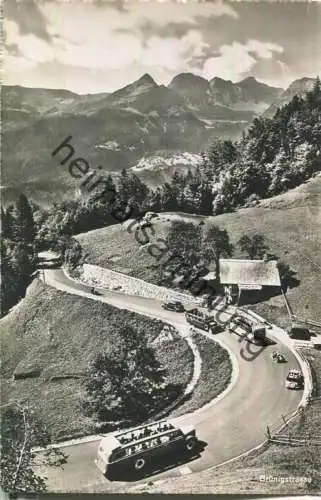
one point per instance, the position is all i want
(161, 247)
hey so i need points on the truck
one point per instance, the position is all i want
(254, 332)
(201, 320)
(299, 331)
(259, 333)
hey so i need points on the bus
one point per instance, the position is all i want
(200, 320)
(136, 448)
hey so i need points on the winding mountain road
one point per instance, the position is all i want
(229, 427)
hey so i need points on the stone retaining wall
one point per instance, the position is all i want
(112, 280)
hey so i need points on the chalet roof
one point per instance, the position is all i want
(247, 272)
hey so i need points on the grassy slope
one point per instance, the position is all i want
(215, 376)
(79, 328)
(291, 224)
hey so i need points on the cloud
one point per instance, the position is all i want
(172, 53)
(264, 50)
(98, 46)
(106, 44)
(234, 61)
(31, 48)
(14, 64)
(28, 15)
(273, 72)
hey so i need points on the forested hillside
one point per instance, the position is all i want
(17, 251)
(273, 156)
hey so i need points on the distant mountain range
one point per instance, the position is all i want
(299, 87)
(137, 125)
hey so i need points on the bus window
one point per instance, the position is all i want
(176, 433)
(117, 455)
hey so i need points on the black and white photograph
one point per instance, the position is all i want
(161, 247)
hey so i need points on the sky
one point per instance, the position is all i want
(90, 46)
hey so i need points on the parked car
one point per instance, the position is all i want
(294, 380)
(174, 306)
(150, 215)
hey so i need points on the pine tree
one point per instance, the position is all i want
(24, 227)
(7, 221)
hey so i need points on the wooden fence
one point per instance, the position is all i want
(290, 441)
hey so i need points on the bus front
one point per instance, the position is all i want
(108, 445)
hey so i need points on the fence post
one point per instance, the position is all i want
(268, 433)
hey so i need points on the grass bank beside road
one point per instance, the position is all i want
(48, 340)
(215, 375)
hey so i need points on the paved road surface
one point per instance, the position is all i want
(233, 425)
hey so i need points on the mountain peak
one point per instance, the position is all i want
(217, 81)
(304, 83)
(129, 93)
(188, 79)
(249, 80)
(146, 79)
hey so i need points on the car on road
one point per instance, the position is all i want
(294, 380)
(173, 306)
(278, 357)
(150, 215)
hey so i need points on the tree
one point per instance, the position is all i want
(21, 431)
(254, 246)
(17, 251)
(216, 244)
(132, 192)
(184, 249)
(17, 265)
(184, 240)
(127, 383)
(70, 251)
(24, 227)
(7, 221)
